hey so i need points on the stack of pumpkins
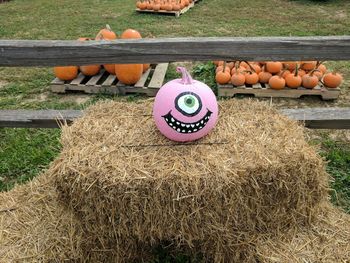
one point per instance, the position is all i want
(165, 5)
(277, 74)
(127, 73)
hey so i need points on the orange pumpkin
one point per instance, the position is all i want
(128, 74)
(145, 67)
(110, 68)
(293, 80)
(251, 78)
(90, 70)
(66, 72)
(277, 82)
(274, 67)
(238, 79)
(106, 34)
(309, 81)
(322, 68)
(332, 80)
(308, 65)
(264, 76)
(130, 33)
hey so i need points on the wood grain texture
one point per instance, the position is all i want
(57, 52)
(37, 118)
(314, 118)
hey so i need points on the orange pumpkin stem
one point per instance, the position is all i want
(296, 70)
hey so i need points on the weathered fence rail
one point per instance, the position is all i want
(53, 53)
(315, 118)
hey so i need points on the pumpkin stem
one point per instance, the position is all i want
(251, 67)
(186, 77)
(224, 67)
(108, 27)
(312, 71)
(296, 70)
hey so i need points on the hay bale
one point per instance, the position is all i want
(35, 227)
(326, 241)
(132, 188)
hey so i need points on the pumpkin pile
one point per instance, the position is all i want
(127, 73)
(276, 74)
(164, 5)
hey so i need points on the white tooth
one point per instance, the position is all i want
(195, 130)
(178, 123)
(170, 124)
(200, 127)
(166, 119)
(174, 127)
(182, 125)
(197, 124)
(189, 131)
(172, 119)
(202, 121)
(188, 126)
(183, 131)
(178, 129)
(208, 117)
(192, 125)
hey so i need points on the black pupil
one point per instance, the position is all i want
(188, 101)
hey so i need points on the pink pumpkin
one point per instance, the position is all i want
(185, 109)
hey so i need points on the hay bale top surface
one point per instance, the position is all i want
(120, 141)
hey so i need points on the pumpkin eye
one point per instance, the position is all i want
(188, 103)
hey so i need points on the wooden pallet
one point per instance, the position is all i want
(263, 90)
(104, 82)
(163, 12)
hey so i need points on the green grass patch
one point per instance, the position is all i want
(24, 153)
(338, 157)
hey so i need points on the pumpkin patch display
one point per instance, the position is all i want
(164, 5)
(128, 74)
(277, 75)
(185, 109)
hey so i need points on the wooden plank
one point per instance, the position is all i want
(321, 118)
(37, 118)
(158, 76)
(109, 80)
(78, 80)
(314, 118)
(57, 81)
(149, 50)
(142, 81)
(93, 81)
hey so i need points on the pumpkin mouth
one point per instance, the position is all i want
(185, 127)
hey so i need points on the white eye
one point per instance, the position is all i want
(188, 103)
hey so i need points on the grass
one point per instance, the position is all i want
(26, 152)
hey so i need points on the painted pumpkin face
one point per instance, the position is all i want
(185, 109)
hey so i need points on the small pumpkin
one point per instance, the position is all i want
(332, 80)
(309, 80)
(264, 76)
(274, 67)
(277, 82)
(130, 33)
(251, 77)
(223, 76)
(128, 74)
(106, 34)
(66, 72)
(293, 80)
(145, 67)
(110, 68)
(308, 65)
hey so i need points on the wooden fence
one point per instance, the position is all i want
(58, 53)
